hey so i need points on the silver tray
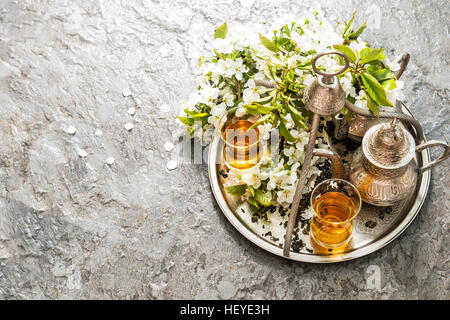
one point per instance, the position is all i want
(269, 236)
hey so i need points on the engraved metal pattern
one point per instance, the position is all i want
(381, 189)
(358, 126)
(324, 99)
(385, 115)
(388, 145)
(382, 168)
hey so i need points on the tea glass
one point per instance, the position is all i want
(336, 203)
(243, 148)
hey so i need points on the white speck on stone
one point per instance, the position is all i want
(164, 108)
(71, 130)
(82, 153)
(226, 289)
(168, 146)
(132, 111)
(59, 270)
(126, 92)
(99, 132)
(171, 164)
(110, 161)
(129, 126)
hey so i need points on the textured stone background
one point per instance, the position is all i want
(74, 227)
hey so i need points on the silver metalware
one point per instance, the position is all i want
(389, 222)
(382, 168)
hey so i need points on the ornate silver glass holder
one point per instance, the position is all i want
(375, 227)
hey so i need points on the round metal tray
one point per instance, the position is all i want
(389, 224)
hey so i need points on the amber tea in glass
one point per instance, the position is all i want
(242, 149)
(336, 203)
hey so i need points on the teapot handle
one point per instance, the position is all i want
(434, 143)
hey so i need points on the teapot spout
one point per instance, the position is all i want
(337, 167)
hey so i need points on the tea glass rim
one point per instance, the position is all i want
(356, 212)
(260, 134)
(247, 170)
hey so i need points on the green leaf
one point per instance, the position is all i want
(262, 198)
(237, 190)
(354, 35)
(190, 113)
(251, 190)
(284, 41)
(286, 30)
(253, 202)
(348, 27)
(201, 115)
(388, 84)
(186, 120)
(264, 100)
(297, 116)
(381, 74)
(268, 43)
(259, 121)
(285, 132)
(221, 32)
(352, 55)
(375, 90)
(377, 63)
(258, 109)
(368, 54)
(290, 75)
(373, 106)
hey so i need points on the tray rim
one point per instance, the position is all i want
(421, 193)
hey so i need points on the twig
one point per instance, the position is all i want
(239, 89)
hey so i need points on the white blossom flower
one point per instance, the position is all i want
(230, 67)
(218, 110)
(289, 121)
(223, 45)
(250, 93)
(267, 128)
(361, 100)
(396, 93)
(221, 67)
(240, 112)
(394, 65)
(308, 79)
(208, 94)
(228, 99)
(347, 86)
(215, 78)
(358, 45)
(294, 133)
(286, 194)
(251, 179)
(238, 68)
(194, 98)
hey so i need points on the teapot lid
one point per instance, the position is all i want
(388, 145)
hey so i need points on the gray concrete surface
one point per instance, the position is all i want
(73, 227)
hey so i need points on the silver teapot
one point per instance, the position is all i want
(383, 167)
